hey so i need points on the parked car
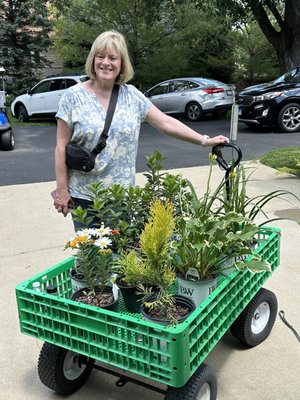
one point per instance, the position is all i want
(276, 103)
(193, 97)
(42, 100)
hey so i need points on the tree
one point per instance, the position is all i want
(24, 35)
(166, 38)
(279, 20)
(255, 57)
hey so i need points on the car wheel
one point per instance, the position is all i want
(193, 111)
(22, 114)
(289, 118)
(61, 370)
(7, 140)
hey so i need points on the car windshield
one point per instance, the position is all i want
(292, 76)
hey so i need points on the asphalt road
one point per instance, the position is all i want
(32, 160)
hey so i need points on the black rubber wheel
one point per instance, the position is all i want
(193, 111)
(255, 323)
(201, 386)
(289, 118)
(22, 114)
(7, 140)
(60, 370)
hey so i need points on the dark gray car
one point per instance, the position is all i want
(192, 97)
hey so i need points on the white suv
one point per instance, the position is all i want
(42, 100)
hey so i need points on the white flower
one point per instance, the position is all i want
(102, 231)
(83, 232)
(103, 242)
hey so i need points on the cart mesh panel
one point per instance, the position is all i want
(167, 354)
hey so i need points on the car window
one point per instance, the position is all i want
(209, 82)
(291, 76)
(178, 86)
(42, 87)
(159, 89)
(69, 83)
(192, 85)
(295, 77)
(56, 85)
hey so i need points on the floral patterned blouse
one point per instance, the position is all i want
(85, 115)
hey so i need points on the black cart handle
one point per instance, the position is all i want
(217, 150)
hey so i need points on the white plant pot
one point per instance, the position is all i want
(197, 290)
(77, 284)
(228, 266)
(225, 265)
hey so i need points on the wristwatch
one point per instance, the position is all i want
(204, 140)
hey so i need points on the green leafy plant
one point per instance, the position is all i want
(128, 208)
(238, 200)
(208, 242)
(151, 265)
(94, 258)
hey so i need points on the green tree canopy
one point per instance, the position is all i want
(24, 35)
(279, 20)
(256, 58)
(166, 38)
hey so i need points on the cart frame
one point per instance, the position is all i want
(166, 354)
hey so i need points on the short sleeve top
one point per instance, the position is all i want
(85, 116)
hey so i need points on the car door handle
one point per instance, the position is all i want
(183, 94)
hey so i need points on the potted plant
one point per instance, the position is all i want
(205, 244)
(127, 209)
(237, 199)
(94, 264)
(131, 280)
(154, 265)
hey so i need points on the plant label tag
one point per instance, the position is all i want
(192, 274)
(115, 290)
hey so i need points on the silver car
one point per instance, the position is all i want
(193, 97)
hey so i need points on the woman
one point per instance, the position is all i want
(81, 116)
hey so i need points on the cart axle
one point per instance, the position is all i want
(123, 379)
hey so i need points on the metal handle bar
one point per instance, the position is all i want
(217, 150)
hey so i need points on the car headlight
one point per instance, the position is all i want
(267, 96)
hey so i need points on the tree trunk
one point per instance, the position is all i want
(286, 39)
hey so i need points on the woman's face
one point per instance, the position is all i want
(107, 65)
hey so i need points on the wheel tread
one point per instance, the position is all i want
(204, 374)
(240, 329)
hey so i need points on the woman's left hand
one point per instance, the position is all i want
(213, 141)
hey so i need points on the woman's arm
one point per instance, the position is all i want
(172, 127)
(63, 197)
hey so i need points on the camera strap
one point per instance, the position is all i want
(110, 113)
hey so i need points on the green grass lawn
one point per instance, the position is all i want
(285, 160)
(32, 122)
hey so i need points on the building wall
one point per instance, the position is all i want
(56, 66)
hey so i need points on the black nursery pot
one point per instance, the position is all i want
(111, 306)
(180, 301)
(131, 296)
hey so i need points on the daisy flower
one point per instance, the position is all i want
(102, 231)
(103, 242)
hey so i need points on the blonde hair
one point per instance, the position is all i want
(110, 40)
